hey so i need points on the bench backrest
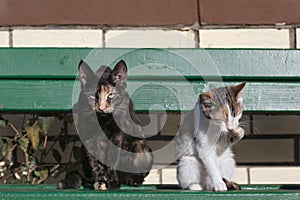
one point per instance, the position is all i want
(43, 79)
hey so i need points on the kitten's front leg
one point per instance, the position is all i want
(235, 135)
(209, 161)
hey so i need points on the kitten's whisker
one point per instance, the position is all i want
(118, 109)
(249, 127)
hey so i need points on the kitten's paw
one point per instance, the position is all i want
(195, 186)
(239, 133)
(231, 185)
(236, 135)
(219, 187)
(100, 186)
(106, 186)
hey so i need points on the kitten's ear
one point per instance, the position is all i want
(86, 74)
(238, 90)
(119, 73)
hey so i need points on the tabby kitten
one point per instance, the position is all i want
(109, 129)
(203, 145)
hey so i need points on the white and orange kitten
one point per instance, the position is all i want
(203, 145)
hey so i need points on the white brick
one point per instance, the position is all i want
(244, 38)
(153, 177)
(4, 39)
(240, 175)
(150, 38)
(169, 175)
(275, 175)
(57, 38)
(298, 38)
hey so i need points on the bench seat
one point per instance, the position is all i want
(161, 192)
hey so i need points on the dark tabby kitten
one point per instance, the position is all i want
(109, 128)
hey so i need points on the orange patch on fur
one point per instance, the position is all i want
(221, 114)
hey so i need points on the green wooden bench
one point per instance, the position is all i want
(162, 80)
(42, 79)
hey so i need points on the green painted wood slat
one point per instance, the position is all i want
(61, 95)
(42, 79)
(231, 64)
(50, 192)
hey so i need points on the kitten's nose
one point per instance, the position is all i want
(230, 128)
(101, 107)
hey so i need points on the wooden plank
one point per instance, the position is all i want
(39, 95)
(181, 96)
(50, 192)
(40, 62)
(196, 64)
(171, 96)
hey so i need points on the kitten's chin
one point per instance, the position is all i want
(102, 113)
(224, 130)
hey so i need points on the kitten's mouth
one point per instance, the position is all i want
(98, 110)
(101, 112)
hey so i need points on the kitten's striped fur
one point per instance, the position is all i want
(117, 149)
(205, 160)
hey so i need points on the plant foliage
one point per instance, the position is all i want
(22, 158)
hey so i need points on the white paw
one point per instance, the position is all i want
(239, 133)
(100, 186)
(195, 186)
(235, 135)
(219, 187)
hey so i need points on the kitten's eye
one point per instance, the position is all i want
(209, 106)
(110, 96)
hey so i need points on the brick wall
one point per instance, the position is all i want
(148, 13)
(168, 24)
(154, 37)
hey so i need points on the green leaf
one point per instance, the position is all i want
(3, 123)
(7, 153)
(23, 143)
(45, 123)
(1, 142)
(32, 159)
(9, 143)
(34, 136)
(56, 155)
(41, 174)
(7, 149)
